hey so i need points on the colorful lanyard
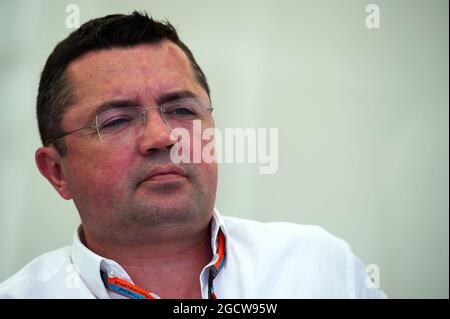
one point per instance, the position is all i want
(129, 290)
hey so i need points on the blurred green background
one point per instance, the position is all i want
(362, 116)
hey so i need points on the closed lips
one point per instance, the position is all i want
(173, 170)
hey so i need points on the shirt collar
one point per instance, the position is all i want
(89, 264)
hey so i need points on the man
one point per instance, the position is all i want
(109, 97)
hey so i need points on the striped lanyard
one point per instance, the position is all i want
(214, 270)
(131, 291)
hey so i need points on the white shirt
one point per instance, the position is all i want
(263, 260)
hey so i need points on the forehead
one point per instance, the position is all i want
(140, 73)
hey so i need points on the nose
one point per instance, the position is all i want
(156, 133)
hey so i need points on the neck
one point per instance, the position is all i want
(170, 268)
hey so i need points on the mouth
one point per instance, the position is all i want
(164, 174)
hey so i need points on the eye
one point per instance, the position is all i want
(182, 111)
(179, 111)
(115, 123)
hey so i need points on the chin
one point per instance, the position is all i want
(167, 213)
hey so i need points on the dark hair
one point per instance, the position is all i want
(111, 31)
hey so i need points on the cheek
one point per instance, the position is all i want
(202, 151)
(99, 177)
(206, 175)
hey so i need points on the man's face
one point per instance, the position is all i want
(108, 180)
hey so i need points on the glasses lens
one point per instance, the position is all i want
(181, 113)
(115, 122)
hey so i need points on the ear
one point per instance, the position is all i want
(48, 160)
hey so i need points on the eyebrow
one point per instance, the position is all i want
(120, 103)
(175, 96)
